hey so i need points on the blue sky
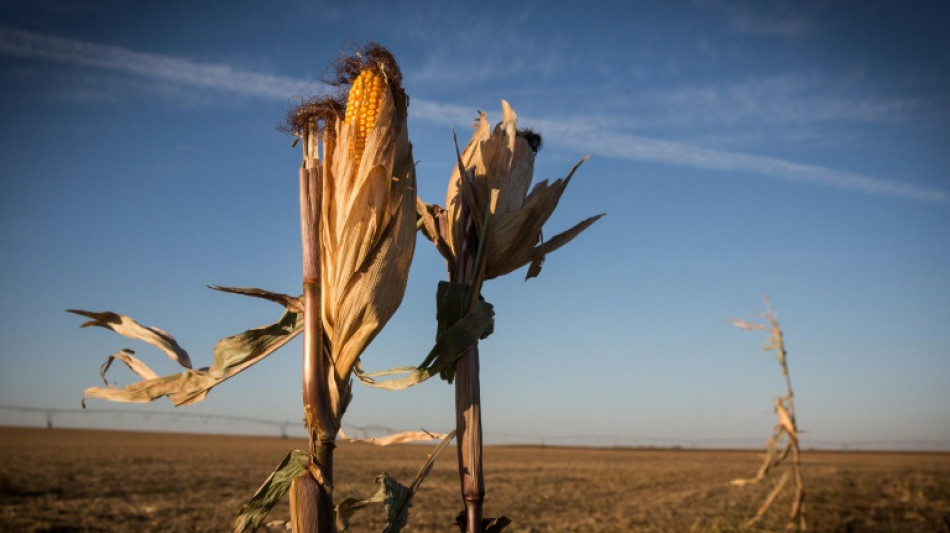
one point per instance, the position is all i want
(794, 149)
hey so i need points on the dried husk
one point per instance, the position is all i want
(503, 160)
(368, 226)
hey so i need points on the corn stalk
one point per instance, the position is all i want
(786, 431)
(357, 200)
(490, 226)
(311, 494)
(358, 225)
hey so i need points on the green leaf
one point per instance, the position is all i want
(273, 489)
(457, 332)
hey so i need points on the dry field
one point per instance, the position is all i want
(74, 480)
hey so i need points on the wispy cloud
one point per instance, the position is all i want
(600, 139)
(781, 99)
(610, 143)
(22, 43)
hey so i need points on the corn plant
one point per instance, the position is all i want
(784, 440)
(358, 225)
(490, 226)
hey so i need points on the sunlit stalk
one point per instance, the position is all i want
(311, 499)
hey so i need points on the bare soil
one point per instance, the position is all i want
(62, 480)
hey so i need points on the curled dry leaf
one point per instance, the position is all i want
(127, 356)
(127, 327)
(231, 355)
(396, 497)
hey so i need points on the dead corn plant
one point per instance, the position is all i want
(784, 440)
(358, 225)
(490, 226)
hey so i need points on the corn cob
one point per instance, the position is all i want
(362, 110)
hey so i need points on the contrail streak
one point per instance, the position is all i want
(600, 141)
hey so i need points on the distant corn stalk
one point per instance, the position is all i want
(784, 440)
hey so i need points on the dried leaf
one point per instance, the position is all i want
(556, 242)
(254, 512)
(291, 303)
(127, 327)
(395, 496)
(231, 356)
(453, 338)
(397, 438)
(127, 356)
(435, 227)
(743, 324)
(785, 420)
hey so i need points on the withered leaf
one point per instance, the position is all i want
(454, 336)
(254, 512)
(231, 355)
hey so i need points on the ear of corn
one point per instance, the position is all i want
(362, 110)
(367, 216)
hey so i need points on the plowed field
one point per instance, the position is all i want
(74, 480)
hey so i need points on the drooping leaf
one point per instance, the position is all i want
(347, 508)
(254, 512)
(397, 499)
(455, 335)
(451, 302)
(127, 327)
(291, 303)
(127, 356)
(231, 355)
(395, 496)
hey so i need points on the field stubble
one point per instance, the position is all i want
(75, 480)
